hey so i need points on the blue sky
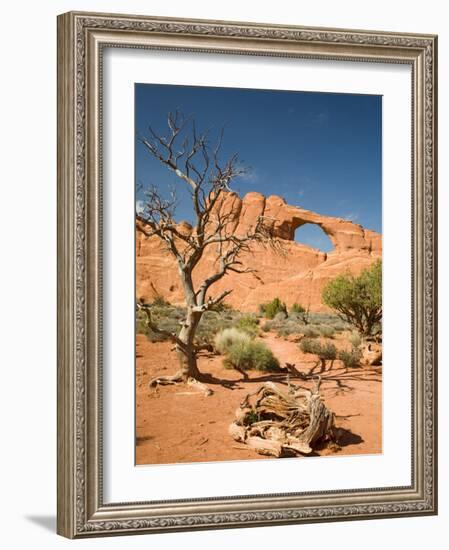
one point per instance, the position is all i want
(319, 151)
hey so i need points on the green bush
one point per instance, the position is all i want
(141, 326)
(308, 345)
(248, 324)
(355, 339)
(350, 359)
(326, 351)
(297, 308)
(270, 309)
(251, 355)
(358, 300)
(230, 337)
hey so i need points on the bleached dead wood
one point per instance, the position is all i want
(280, 423)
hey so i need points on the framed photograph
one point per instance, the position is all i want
(246, 274)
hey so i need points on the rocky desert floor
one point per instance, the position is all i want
(178, 424)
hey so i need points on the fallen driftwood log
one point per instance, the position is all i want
(280, 423)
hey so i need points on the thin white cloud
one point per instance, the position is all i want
(353, 216)
(249, 177)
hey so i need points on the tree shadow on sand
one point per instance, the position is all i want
(280, 378)
(230, 384)
(343, 438)
(340, 377)
(346, 437)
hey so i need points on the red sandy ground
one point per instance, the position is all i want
(178, 424)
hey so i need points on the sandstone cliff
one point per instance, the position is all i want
(297, 274)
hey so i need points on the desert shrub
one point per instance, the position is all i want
(339, 326)
(327, 331)
(297, 308)
(377, 330)
(283, 326)
(322, 318)
(204, 337)
(229, 337)
(221, 307)
(310, 331)
(160, 301)
(308, 345)
(358, 300)
(211, 323)
(251, 355)
(168, 317)
(248, 324)
(319, 319)
(266, 327)
(141, 327)
(164, 317)
(176, 313)
(294, 324)
(287, 329)
(350, 359)
(355, 339)
(302, 318)
(280, 316)
(160, 311)
(326, 351)
(270, 309)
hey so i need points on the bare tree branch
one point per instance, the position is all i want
(197, 163)
(146, 309)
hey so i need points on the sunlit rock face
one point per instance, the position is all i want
(293, 272)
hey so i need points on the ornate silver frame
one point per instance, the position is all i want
(81, 38)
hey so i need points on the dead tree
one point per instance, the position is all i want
(197, 164)
(283, 423)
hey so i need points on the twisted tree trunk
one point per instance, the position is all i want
(187, 354)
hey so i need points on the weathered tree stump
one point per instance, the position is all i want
(372, 354)
(280, 423)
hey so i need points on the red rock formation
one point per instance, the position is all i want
(297, 274)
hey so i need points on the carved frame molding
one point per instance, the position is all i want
(81, 39)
